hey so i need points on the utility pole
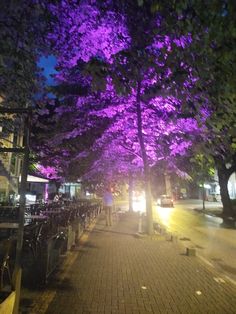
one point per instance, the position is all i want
(20, 232)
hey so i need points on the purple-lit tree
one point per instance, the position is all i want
(134, 57)
(213, 30)
(138, 83)
(118, 148)
(164, 140)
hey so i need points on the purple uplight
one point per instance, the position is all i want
(49, 172)
(85, 32)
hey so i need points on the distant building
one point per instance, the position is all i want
(232, 186)
(72, 190)
(10, 163)
(213, 188)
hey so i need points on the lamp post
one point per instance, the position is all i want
(17, 269)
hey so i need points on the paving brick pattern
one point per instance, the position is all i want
(118, 272)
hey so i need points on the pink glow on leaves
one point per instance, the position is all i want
(49, 172)
(83, 33)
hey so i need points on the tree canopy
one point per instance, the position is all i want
(138, 82)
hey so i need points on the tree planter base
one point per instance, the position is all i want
(7, 305)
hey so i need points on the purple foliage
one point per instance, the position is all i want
(82, 32)
(49, 172)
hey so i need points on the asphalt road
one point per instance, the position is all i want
(215, 244)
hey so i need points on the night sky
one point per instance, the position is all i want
(48, 64)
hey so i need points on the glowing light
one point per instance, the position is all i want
(49, 172)
(46, 192)
(139, 203)
(30, 199)
(35, 179)
(164, 214)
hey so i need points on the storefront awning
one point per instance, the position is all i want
(35, 179)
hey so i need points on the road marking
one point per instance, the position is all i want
(219, 280)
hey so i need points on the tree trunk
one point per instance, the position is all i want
(57, 184)
(146, 166)
(148, 195)
(131, 189)
(224, 174)
(168, 184)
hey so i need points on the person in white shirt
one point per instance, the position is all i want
(107, 205)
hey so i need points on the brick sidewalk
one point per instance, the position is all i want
(117, 272)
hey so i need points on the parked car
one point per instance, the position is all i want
(165, 201)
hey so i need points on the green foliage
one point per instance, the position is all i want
(23, 25)
(202, 168)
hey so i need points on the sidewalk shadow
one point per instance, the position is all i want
(113, 231)
(64, 285)
(228, 223)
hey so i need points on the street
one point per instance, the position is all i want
(216, 245)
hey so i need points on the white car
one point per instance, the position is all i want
(165, 201)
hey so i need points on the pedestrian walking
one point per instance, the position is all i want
(107, 205)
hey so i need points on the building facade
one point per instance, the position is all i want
(10, 162)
